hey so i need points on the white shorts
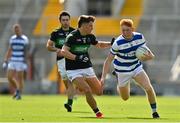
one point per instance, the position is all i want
(125, 77)
(87, 72)
(62, 69)
(17, 66)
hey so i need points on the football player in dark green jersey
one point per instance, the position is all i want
(55, 44)
(78, 64)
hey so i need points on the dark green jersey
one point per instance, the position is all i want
(58, 37)
(79, 45)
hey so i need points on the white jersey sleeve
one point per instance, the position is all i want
(114, 49)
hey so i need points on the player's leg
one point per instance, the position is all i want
(83, 85)
(93, 81)
(11, 75)
(123, 86)
(70, 93)
(11, 78)
(68, 84)
(95, 85)
(20, 78)
(143, 80)
(124, 91)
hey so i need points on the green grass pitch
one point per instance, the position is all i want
(50, 109)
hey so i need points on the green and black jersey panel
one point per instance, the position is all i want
(79, 45)
(58, 37)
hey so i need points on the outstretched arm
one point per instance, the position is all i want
(106, 66)
(104, 44)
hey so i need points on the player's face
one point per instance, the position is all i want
(17, 30)
(65, 21)
(88, 27)
(127, 32)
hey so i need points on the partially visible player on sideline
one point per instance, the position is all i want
(127, 66)
(15, 60)
(78, 64)
(54, 44)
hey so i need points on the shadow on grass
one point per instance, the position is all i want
(143, 118)
(146, 118)
(87, 112)
(120, 118)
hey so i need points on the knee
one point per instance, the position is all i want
(125, 98)
(10, 78)
(87, 90)
(99, 92)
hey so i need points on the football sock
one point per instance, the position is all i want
(17, 92)
(96, 110)
(153, 107)
(70, 101)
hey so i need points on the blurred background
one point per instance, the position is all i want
(158, 20)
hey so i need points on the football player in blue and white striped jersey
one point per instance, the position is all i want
(15, 60)
(127, 66)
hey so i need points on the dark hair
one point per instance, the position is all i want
(85, 19)
(63, 13)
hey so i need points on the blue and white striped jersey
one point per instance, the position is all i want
(124, 51)
(18, 43)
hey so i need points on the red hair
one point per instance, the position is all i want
(126, 22)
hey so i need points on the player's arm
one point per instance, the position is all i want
(149, 55)
(106, 66)
(104, 44)
(8, 54)
(66, 53)
(50, 46)
(6, 58)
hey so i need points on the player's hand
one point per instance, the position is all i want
(112, 41)
(82, 58)
(147, 56)
(59, 52)
(114, 72)
(5, 65)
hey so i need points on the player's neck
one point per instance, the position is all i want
(128, 37)
(18, 35)
(65, 28)
(82, 32)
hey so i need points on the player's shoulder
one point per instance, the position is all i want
(92, 36)
(75, 33)
(13, 37)
(72, 34)
(71, 29)
(24, 37)
(120, 40)
(55, 31)
(138, 35)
